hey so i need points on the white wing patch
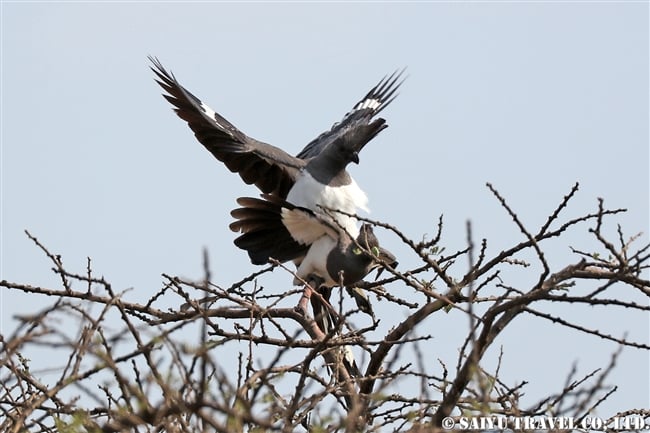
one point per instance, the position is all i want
(212, 115)
(304, 227)
(372, 104)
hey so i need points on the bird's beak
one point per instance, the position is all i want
(380, 269)
(388, 258)
(355, 157)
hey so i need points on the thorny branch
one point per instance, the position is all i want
(257, 362)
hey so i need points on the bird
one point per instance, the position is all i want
(333, 258)
(334, 255)
(315, 180)
(277, 239)
(331, 253)
(316, 176)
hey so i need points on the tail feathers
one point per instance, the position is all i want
(263, 246)
(349, 362)
(322, 314)
(326, 323)
(264, 235)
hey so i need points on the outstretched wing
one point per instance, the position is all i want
(269, 168)
(363, 111)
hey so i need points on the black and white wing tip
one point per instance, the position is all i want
(270, 168)
(369, 106)
(381, 95)
(185, 103)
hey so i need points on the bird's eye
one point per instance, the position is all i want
(357, 251)
(375, 251)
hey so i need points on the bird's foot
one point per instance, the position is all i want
(313, 282)
(304, 301)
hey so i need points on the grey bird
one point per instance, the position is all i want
(273, 237)
(315, 179)
(333, 255)
(333, 258)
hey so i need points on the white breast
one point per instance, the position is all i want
(310, 194)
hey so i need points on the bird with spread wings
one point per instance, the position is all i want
(308, 201)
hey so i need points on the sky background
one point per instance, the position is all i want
(531, 97)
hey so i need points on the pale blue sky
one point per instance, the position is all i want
(531, 97)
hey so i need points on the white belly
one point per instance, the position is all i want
(310, 194)
(315, 262)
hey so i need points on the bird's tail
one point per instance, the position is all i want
(264, 235)
(326, 321)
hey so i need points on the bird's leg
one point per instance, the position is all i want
(312, 281)
(323, 311)
(304, 299)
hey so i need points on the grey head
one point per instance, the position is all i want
(353, 262)
(328, 167)
(358, 294)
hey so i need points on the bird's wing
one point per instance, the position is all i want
(271, 227)
(305, 226)
(362, 112)
(264, 235)
(269, 168)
